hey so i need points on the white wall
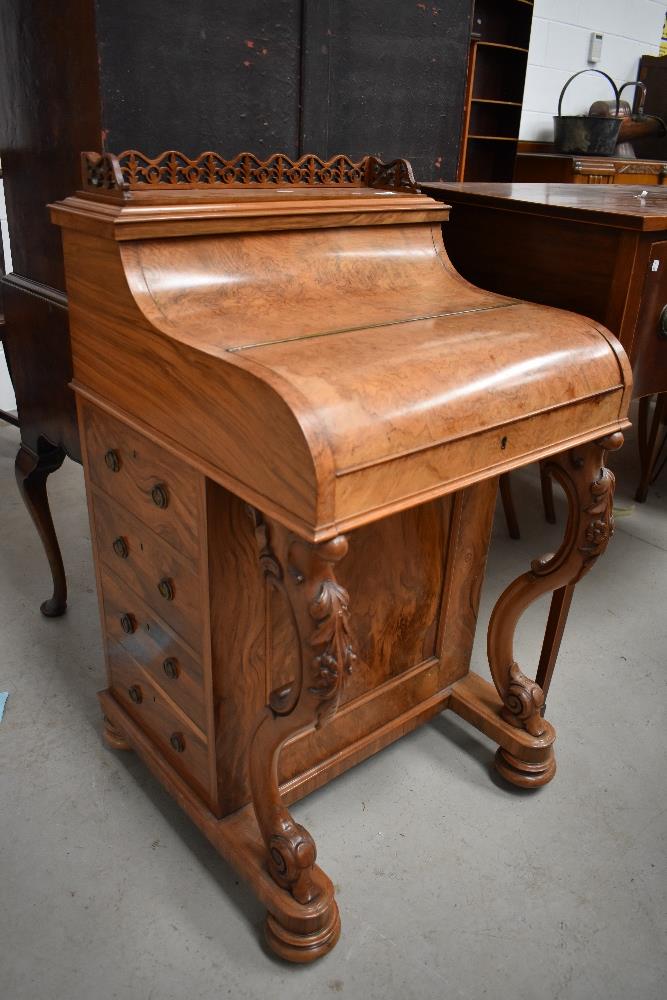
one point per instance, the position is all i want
(7, 401)
(559, 47)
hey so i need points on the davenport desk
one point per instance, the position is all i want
(599, 250)
(294, 413)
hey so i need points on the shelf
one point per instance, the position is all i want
(495, 138)
(502, 45)
(489, 100)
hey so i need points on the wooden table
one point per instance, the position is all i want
(601, 251)
(291, 465)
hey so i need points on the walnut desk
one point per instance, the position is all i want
(291, 459)
(599, 250)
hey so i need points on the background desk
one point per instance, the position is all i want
(598, 250)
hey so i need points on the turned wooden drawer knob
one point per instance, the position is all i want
(159, 496)
(135, 694)
(112, 460)
(127, 623)
(166, 589)
(120, 547)
(170, 667)
(177, 742)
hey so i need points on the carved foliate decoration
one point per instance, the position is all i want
(292, 854)
(331, 637)
(131, 170)
(599, 528)
(397, 174)
(101, 172)
(328, 610)
(523, 702)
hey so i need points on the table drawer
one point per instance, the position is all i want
(182, 743)
(146, 479)
(130, 623)
(167, 581)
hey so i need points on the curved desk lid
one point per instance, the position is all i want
(343, 370)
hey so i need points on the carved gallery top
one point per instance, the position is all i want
(320, 355)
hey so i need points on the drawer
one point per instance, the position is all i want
(161, 490)
(167, 581)
(183, 745)
(130, 624)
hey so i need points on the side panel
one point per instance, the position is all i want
(413, 580)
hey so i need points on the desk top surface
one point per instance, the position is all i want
(621, 205)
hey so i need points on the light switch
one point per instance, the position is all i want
(595, 47)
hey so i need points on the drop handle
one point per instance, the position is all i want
(662, 324)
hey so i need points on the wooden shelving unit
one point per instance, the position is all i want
(496, 78)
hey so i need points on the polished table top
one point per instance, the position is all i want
(627, 206)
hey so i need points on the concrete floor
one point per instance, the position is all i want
(450, 885)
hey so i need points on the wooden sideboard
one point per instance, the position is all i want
(556, 168)
(294, 413)
(601, 251)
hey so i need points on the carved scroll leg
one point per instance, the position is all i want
(589, 489)
(303, 576)
(32, 472)
(648, 433)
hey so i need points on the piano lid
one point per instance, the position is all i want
(325, 360)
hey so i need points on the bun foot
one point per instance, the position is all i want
(113, 738)
(523, 773)
(296, 947)
(54, 607)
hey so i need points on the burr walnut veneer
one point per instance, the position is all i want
(294, 413)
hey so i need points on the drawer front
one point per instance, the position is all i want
(133, 626)
(180, 742)
(144, 478)
(155, 571)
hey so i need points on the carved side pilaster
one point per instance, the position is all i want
(303, 575)
(589, 488)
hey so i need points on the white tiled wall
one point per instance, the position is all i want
(559, 47)
(7, 401)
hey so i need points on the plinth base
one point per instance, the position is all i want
(523, 773)
(302, 948)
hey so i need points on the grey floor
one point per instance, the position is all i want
(449, 884)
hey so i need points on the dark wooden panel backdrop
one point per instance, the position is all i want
(386, 78)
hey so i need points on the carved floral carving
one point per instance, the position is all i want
(330, 612)
(600, 527)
